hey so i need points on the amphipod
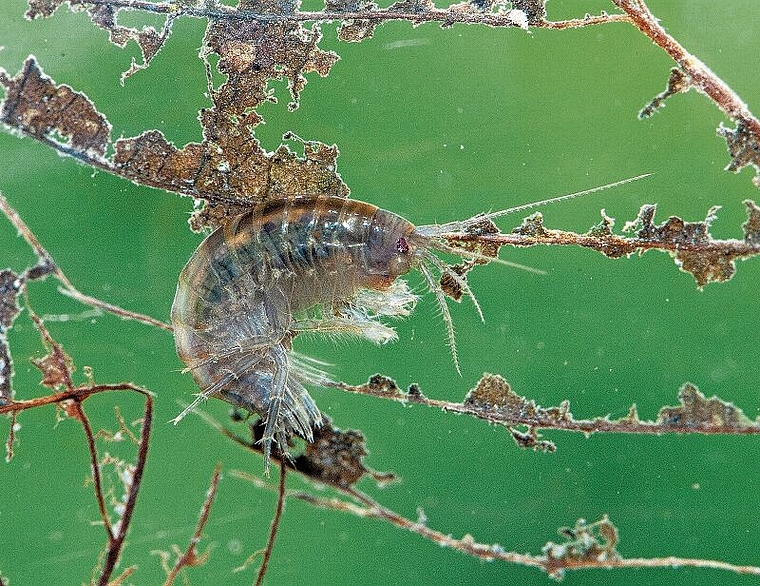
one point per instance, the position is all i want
(319, 264)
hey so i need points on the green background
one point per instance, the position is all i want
(434, 125)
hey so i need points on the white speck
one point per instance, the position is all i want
(402, 44)
(461, 147)
(519, 18)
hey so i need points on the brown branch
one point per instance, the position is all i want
(612, 245)
(78, 412)
(11, 438)
(116, 545)
(494, 401)
(119, 580)
(190, 556)
(587, 545)
(56, 368)
(690, 244)
(743, 141)
(76, 394)
(443, 15)
(700, 76)
(275, 524)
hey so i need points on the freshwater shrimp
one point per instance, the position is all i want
(306, 264)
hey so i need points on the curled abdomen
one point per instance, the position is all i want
(253, 284)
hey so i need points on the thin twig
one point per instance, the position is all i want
(72, 397)
(78, 394)
(611, 244)
(700, 76)
(190, 556)
(47, 265)
(11, 438)
(81, 416)
(554, 566)
(274, 526)
(119, 580)
(469, 546)
(114, 549)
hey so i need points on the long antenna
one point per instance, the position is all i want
(436, 229)
(535, 204)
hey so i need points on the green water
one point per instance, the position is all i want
(434, 125)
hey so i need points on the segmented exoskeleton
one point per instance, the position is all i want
(321, 264)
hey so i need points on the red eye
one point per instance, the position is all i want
(402, 246)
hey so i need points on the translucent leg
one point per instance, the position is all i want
(274, 426)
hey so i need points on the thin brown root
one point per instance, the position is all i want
(275, 525)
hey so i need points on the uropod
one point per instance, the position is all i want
(304, 264)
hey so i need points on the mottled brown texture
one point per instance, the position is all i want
(55, 367)
(535, 10)
(36, 106)
(334, 457)
(10, 287)
(688, 242)
(42, 8)
(743, 146)
(752, 225)
(585, 543)
(493, 393)
(229, 170)
(353, 30)
(9, 310)
(697, 411)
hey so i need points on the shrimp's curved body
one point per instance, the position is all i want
(287, 266)
(321, 264)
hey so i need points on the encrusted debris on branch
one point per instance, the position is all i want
(585, 543)
(229, 170)
(35, 106)
(743, 141)
(190, 557)
(585, 546)
(678, 82)
(493, 400)
(10, 288)
(262, 40)
(335, 457)
(690, 244)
